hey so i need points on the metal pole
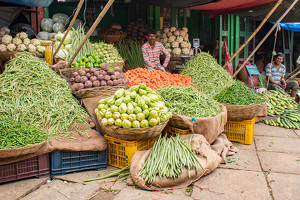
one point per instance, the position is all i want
(266, 36)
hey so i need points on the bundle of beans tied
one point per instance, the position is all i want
(137, 30)
(96, 77)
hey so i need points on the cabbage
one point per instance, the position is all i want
(132, 117)
(58, 27)
(137, 110)
(43, 35)
(126, 124)
(124, 116)
(122, 108)
(67, 47)
(60, 18)
(110, 121)
(116, 115)
(119, 122)
(51, 35)
(119, 93)
(146, 113)
(153, 122)
(46, 25)
(68, 39)
(62, 53)
(114, 108)
(144, 123)
(163, 118)
(101, 106)
(104, 121)
(135, 124)
(108, 115)
(153, 114)
(140, 116)
(158, 120)
(130, 108)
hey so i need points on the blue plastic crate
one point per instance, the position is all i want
(63, 162)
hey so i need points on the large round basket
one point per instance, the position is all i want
(134, 133)
(112, 38)
(7, 55)
(243, 112)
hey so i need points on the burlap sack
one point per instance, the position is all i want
(79, 141)
(210, 127)
(208, 158)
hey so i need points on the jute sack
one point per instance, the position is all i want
(208, 158)
(77, 141)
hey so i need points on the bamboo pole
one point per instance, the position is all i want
(254, 33)
(89, 33)
(293, 72)
(69, 28)
(294, 75)
(266, 36)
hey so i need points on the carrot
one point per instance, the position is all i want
(156, 79)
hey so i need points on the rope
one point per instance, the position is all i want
(278, 27)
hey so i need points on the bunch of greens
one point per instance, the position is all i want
(32, 93)
(188, 102)
(238, 94)
(207, 75)
(132, 52)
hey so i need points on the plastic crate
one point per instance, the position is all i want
(33, 167)
(242, 132)
(120, 152)
(63, 162)
(172, 131)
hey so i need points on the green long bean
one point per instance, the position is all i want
(31, 92)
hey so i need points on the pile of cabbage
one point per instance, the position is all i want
(176, 41)
(109, 52)
(21, 43)
(138, 107)
(65, 48)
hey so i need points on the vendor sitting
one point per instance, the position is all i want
(151, 52)
(275, 73)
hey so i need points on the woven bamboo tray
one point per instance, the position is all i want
(7, 55)
(112, 38)
(134, 133)
(243, 112)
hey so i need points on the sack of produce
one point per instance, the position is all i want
(195, 111)
(242, 103)
(137, 113)
(154, 170)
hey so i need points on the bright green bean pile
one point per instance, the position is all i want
(207, 75)
(238, 94)
(18, 134)
(168, 157)
(188, 102)
(31, 92)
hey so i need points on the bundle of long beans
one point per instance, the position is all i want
(16, 134)
(32, 93)
(188, 102)
(77, 37)
(132, 52)
(168, 157)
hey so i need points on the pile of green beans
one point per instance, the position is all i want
(31, 92)
(188, 102)
(238, 94)
(77, 37)
(168, 157)
(18, 134)
(207, 75)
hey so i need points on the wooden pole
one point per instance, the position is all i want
(69, 28)
(293, 71)
(266, 36)
(89, 33)
(254, 33)
(294, 75)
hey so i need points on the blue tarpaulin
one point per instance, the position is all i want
(39, 3)
(290, 26)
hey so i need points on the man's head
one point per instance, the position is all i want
(278, 58)
(151, 36)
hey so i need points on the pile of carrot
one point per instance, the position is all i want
(156, 79)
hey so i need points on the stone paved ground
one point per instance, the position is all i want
(269, 168)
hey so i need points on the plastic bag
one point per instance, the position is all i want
(22, 27)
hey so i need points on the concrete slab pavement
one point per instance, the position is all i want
(262, 129)
(277, 144)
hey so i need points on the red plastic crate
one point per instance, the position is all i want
(33, 167)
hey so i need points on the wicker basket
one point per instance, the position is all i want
(242, 112)
(120, 65)
(7, 55)
(104, 91)
(112, 38)
(134, 133)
